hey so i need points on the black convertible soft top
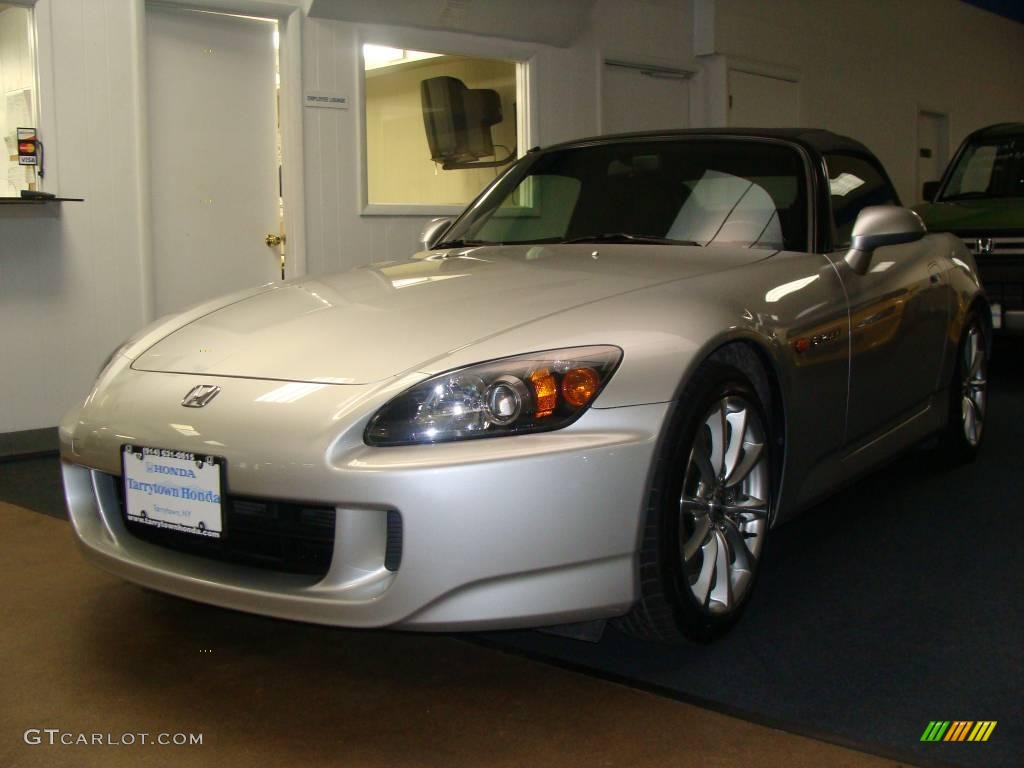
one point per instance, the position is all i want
(998, 131)
(817, 140)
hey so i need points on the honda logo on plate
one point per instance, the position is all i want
(199, 396)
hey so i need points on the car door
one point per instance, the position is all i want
(898, 309)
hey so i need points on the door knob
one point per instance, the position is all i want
(273, 240)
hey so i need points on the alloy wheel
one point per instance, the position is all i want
(974, 386)
(724, 505)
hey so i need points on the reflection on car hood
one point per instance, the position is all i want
(385, 319)
(981, 216)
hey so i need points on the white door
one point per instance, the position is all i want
(638, 99)
(212, 152)
(932, 147)
(759, 101)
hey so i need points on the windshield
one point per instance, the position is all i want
(992, 168)
(701, 192)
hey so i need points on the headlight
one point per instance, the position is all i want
(537, 392)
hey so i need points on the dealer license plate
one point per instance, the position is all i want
(174, 490)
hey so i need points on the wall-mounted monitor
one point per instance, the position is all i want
(458, 123)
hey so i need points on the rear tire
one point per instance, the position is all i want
(708, 513)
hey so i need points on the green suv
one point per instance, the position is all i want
(980, 199)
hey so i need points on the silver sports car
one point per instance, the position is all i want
(591, 396)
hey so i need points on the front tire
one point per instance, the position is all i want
(968, 395)
(709, 511)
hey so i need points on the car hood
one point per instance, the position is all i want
(390, 318)
(986, 216)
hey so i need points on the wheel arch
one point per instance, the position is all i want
(751, 357)
(754, 356)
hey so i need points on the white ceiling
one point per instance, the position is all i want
(556, 22)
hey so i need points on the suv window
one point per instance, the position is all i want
(854, 184)
(993, 168)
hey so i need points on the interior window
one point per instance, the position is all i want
(854, 184)
(437, 126)
(18, 97)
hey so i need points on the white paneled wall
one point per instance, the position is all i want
(73, 287)
(339, 234)
(565, 104)
(867, 68)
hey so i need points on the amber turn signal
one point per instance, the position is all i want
(579, 386)
(545, 392)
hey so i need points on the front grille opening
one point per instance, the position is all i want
(276, 535)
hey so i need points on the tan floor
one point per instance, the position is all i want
(84, 652)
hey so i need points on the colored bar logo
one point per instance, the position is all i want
(958, 730)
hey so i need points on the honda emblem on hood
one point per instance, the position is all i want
(199, 396)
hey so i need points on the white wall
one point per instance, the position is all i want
(73, 287)
(866, 67)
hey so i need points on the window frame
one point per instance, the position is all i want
(813, 169)
(969, 143)
(448, 44)
(42, 98)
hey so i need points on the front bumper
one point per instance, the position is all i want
(519, 531)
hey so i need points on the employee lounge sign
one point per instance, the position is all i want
(326, 100)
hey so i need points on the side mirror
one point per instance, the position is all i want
(929, 190)
(431, 233)
(878, 226)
